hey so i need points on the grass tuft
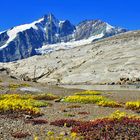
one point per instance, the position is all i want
(133, 105)
(88, 92)
(45, 96)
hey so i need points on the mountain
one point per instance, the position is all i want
(49, 34)
(114, 60)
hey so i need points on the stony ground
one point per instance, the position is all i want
(57, 110)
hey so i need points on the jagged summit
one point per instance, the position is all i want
(50, 33)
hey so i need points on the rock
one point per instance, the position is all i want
(5, 70)
(57, 100)
(64, 110)
(13, 77)
(111, 83)
(118, 83)
(28, 117)
(138, 79)
(63, 133)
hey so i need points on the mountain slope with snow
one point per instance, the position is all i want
(50, 34)
(113, 60)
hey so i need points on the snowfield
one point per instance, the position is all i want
(68, 45)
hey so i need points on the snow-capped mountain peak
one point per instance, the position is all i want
(12, 33)
(109, 27)
(48, 32)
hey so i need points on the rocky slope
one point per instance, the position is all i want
(114, 60)
(35, 38)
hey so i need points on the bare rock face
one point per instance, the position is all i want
(90, 28)
(114, 60)
(5, 71)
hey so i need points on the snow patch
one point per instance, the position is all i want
(2, 32)
(12, 33)
(109, 27)
(68, 45)
(61, 22)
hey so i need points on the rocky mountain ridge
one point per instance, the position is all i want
(34, 39)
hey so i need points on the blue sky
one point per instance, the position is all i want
(123, 13)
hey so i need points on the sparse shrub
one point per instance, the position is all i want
(69, 115)
(20, 135)
(118, 125)
(44, 97)
(50, 133)
(88, 92)
(73, 106)
(118, 115)
(108, 103)
(99, 100)
(15, 103)
(66, 122)
(24, 85)
(15, 86)
(133, 105)
(52, 136)
(84, 99)
(37, 121)
(109, 129)
(1, 87)
(83, 113)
